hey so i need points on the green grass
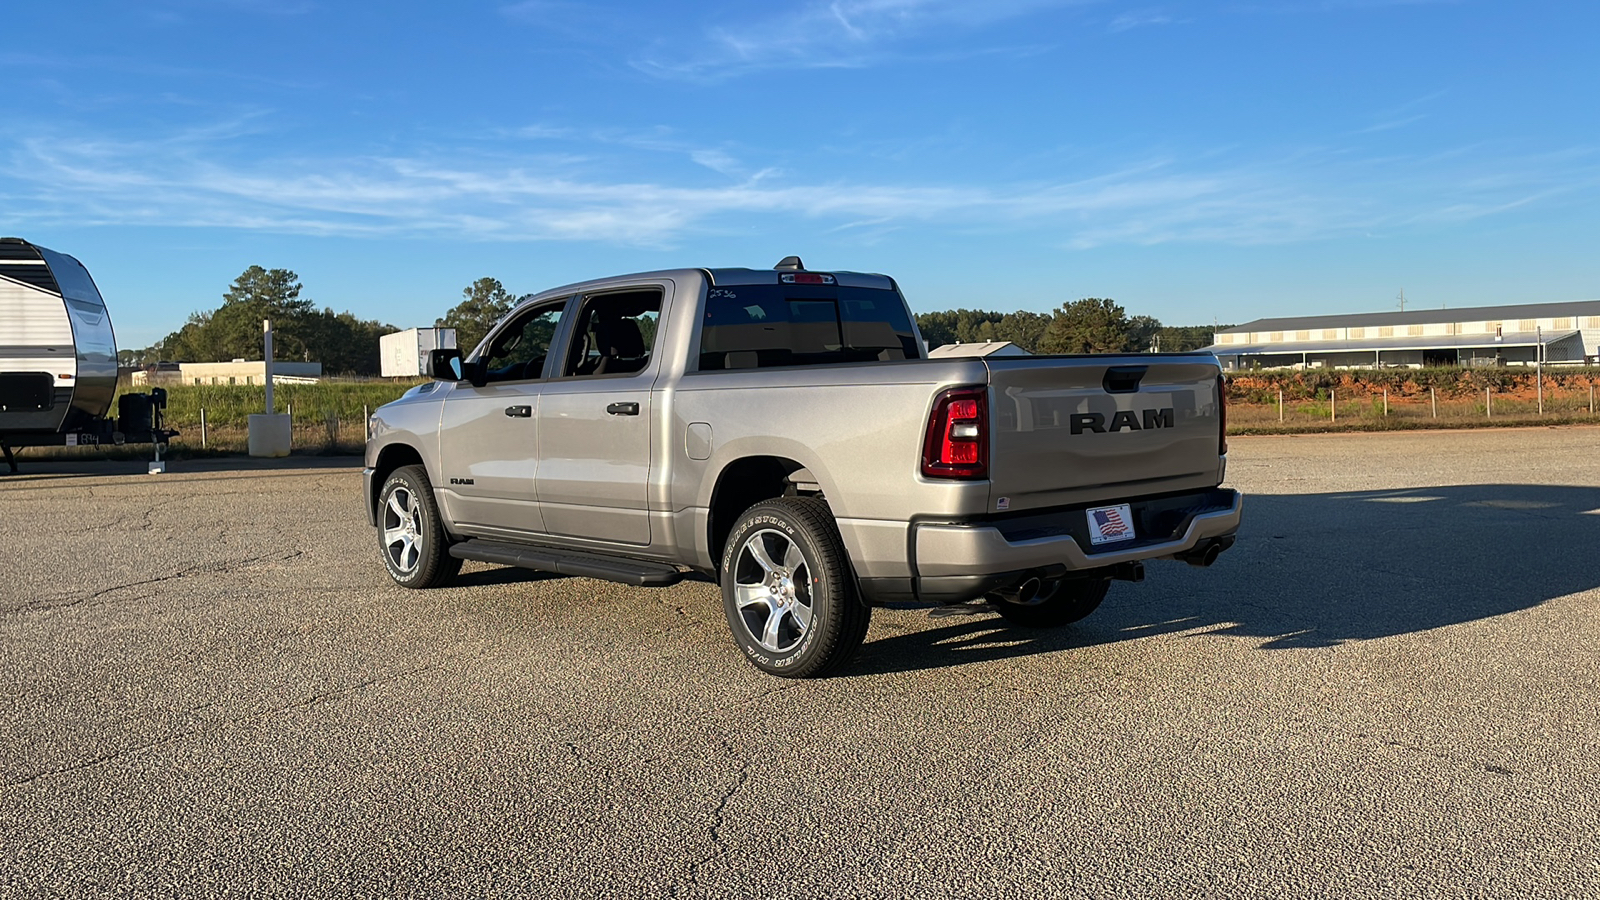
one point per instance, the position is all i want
(231, 405)
(327, 417)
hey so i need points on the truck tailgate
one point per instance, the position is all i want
(1080, 430)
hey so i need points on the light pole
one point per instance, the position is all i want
(1538, 365)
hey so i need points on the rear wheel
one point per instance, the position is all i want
(1059, 602)
(410, 531)
(787, 589)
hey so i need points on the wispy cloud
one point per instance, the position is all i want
(720, 159)
(1390, 125)
(842, 34)
(1401, 115)
(1139, 18)
(1316, 6)
(129, 65)
(195, 178)
(581, 23)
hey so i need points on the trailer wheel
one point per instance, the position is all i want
(1059, 602)
(788, 591)
(410, 534)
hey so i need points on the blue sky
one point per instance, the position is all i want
(1195, 161)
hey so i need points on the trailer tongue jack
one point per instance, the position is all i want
(140, 420)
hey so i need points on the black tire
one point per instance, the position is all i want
(411, 537)
(792, 627)
(1057, 603)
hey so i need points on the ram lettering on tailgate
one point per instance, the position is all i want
(1126, 419)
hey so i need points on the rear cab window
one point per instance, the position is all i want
(751, 326)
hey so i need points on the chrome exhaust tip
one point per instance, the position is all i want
(1205, 555)
(1028, 590)
(1024, 591)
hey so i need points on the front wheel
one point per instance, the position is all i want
(1059, 602)
(410, 531)
(787, 589)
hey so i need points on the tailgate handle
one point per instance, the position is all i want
(1124, 379)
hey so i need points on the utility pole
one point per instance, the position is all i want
(1402, 299)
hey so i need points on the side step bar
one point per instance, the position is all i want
(637, 572)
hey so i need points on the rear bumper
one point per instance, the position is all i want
(955, 562)
(965, 550)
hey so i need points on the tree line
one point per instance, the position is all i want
(1090, 325)
(348, 345)
(344, 343)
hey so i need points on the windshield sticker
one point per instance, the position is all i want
(756, 312)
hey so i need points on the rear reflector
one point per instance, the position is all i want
(957, 443)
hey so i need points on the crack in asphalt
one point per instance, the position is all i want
(69, 600)
(1490, 768)
(717, 820)
(217, 725)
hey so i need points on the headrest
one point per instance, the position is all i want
(619, 338)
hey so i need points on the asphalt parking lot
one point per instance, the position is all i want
(1388, 688)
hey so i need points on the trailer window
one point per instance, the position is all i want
(767, 325)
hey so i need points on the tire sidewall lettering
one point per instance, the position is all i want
(389, 487)
(818, 585)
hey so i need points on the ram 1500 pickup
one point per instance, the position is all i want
(784, 433)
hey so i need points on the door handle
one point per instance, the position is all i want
(519, 412)
(623, 409)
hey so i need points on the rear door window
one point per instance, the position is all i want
(614, 334)
(750, 326)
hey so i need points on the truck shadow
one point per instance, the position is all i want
(1318, 570)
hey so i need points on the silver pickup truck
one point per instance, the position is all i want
(784, 433)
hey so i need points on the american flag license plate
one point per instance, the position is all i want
(1108, 524)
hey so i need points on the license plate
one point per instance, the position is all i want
(1109, 524)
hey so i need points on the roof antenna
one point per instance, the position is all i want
(792, 263)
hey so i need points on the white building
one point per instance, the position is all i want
(1484, 335)
(977, 348)
(249, 372)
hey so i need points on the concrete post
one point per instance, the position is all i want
(269, 433)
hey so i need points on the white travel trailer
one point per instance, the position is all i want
(58, 358)
(404, 354)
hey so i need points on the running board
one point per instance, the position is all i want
(637, 572)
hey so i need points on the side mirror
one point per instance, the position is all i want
(445, 365)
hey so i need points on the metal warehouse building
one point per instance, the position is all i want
(1471, 336)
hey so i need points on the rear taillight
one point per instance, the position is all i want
(1222, 416)
(957, 445)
